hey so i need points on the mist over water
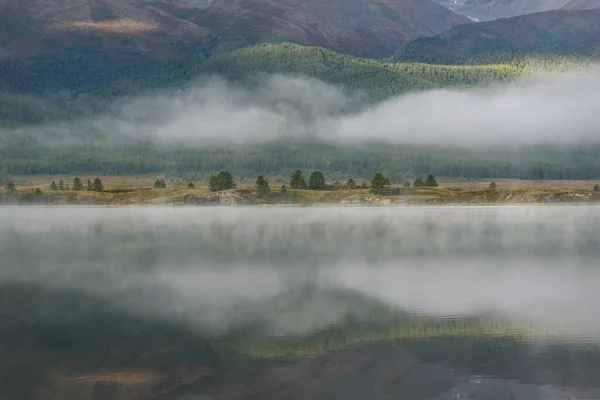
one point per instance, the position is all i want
(297, 270)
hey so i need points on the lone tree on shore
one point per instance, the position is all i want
(160, 184)
(98, 186)
(53, 186)
(77, 185)
(10, 187)
(262, 186)
(378, 183)
(351, 184)
(222, 181)
(419, 182)
(493, 185)
(297, 180)
(430, 181)
(316, 181)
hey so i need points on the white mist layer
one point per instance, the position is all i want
(549, 108)
(553, 108)
(160, 263)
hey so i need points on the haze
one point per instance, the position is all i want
(294, 272)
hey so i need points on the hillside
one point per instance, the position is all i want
(134, 29)
(75, 85)
(487, 10)
(548, 34)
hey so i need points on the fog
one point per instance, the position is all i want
(558, 108)
(549, 108)
(299, 270)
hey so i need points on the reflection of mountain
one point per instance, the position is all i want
(57, 344)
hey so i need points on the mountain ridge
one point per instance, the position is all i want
(487, 10)
(546, 34)
(131, 28)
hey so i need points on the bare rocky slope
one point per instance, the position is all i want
(124, 28)
(551, 33)
(487, 10)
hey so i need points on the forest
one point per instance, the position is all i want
(398, 162)
(81, 84)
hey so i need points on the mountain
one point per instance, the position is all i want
(130, 29)
(547, 34)
(487, 10)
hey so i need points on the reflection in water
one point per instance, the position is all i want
(299, 303)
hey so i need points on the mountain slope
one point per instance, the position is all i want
(134, 28)
(63, 88)
(487, 10)
(552, 33)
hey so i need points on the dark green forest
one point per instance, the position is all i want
(81, 83)
(398, 162)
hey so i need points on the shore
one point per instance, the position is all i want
(119, 195)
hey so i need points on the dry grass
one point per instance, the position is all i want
(121, 26)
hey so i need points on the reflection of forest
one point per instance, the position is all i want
(58, 344)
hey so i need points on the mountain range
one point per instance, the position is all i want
(547, 34)
(487, 10)
(55, 54)
(126, 28)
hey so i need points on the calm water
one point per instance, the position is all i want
(300, 303)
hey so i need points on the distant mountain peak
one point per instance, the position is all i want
(487, 10)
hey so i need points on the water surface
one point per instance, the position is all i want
(352, 302)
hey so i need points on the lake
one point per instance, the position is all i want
(300, 303)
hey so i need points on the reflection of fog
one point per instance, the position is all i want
(300, 269)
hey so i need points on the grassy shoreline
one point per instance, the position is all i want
(114, 194)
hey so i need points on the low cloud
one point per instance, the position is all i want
(549, 109)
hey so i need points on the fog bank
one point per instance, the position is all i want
(295, 272)
(559, 108)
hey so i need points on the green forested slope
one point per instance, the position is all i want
(79, 83)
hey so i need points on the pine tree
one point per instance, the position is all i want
(191, 185)
(406, 184)
(37, 192)
(597, 188)
(10, 187)
(61, 185)
(351, 184)
(316, 181)
(89, 187)
(430, 181)
(222, 181)
(77, 185)
(262, 186)
(160, 184)
(53, 186)
(493, 185)
(378, 183)
(419, 182)
(297, 180)
(98, 186)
